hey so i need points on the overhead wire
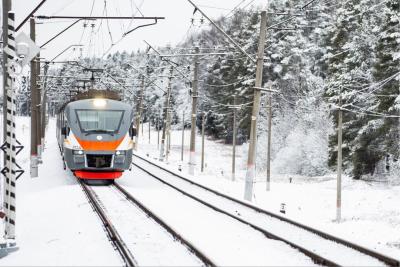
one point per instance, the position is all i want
(107, 21)
(70, 2)
(85, 23)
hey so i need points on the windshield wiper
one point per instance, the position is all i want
(94, 131)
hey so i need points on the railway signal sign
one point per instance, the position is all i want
(26, 49)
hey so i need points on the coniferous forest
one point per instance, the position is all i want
(333, 53)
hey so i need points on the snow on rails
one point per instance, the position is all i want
(321, 247)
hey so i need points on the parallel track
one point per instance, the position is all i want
(315, 257)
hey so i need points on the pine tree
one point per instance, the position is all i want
(387, 69)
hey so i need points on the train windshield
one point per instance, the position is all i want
(99, 121)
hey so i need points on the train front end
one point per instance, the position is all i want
(98, 139)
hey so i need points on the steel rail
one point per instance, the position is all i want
(110, 229)
(384, 258)
(315, 257)
(164, 225)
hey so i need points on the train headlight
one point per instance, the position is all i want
(78, 156)
(99, 102)
(120, 152)
(119, 157)
(77, 152)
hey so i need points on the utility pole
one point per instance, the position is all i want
(339, 162)
(234, 138)
(203, 122)
(38, 104)
(142, 126)
(139, 113)
(6, 9)
(165, 112)
(158, 133)
(183, 134)
(148, 111)
(192, 159)
(34, 108)
(11, 147)
(269, 108)
(168, 133)
(43, 106)
(248, 192)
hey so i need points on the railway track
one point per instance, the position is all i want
(146, 224)
(321, 247)
(112, 233)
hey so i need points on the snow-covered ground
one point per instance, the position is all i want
(57, 226)
(370, 210)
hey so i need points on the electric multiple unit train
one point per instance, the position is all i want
(95, 137)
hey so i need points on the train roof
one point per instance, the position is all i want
(91, 94)
(98, 103)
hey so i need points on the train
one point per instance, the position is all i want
(96, 137)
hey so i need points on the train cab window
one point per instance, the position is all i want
(107, 121)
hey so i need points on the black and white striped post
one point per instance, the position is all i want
(11, 147)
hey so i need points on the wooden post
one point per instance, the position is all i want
(149, 124)
(139, 113)
(269, 108)
(165, 112)
(234, 139)
(34, 107)
(250, 174)
(203, 122)
(183, 134)
(339, 163)
(158, 133)
(192, 159)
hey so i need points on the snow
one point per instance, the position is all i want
(225, 240)
(328, 249)
(370, 214)
(150, 244)
(56, 225)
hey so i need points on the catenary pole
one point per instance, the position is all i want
(158, 132)
(269, 108)
(148, 111)
(192, 155)
(250, 174)
(38, 104)
(339, 163)
(10, 169)
(203, 122)
(168, 133)
(234, 137)
(43, 105)
(139, 112)
(143, 128)
(6, 8)
(165, 112)
(34, 106)
(183, 134)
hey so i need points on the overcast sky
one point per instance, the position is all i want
(97, 40)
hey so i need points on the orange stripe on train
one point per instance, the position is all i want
(99, 145)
